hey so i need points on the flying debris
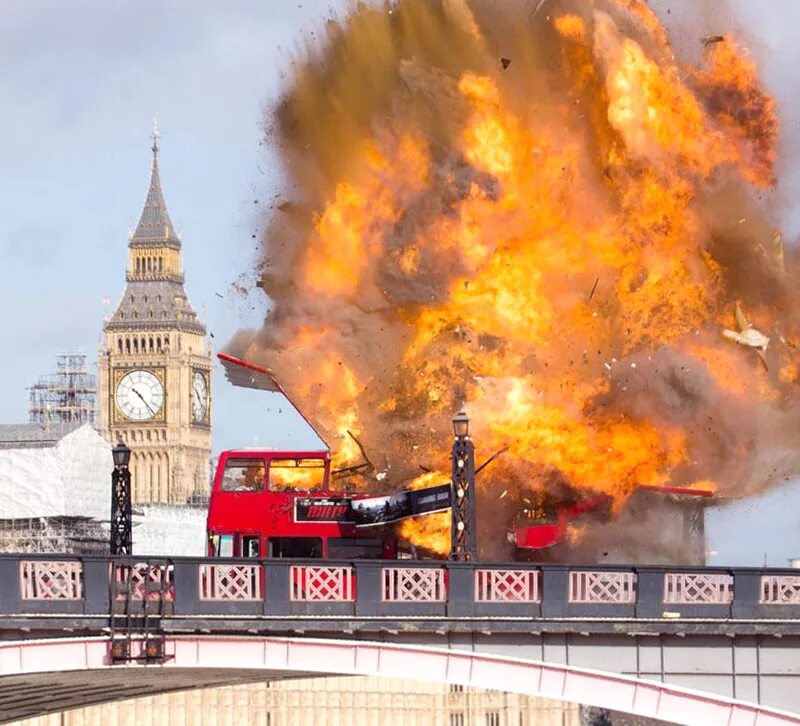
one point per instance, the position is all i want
(748, 335)
(505, 63)
(776, 248)
(539, 7)
(707, 40)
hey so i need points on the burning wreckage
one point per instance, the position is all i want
(274, 503)
(556, 242)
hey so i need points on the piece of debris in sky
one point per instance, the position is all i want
(707, 40)
(539, 7)
(505, 63)
(777, 252)
(747, 335)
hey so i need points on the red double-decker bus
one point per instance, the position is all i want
(267, 503)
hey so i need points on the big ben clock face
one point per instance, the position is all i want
(199, 397)
(140, 395)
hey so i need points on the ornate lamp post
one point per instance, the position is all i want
(463, 542)
(121, 538)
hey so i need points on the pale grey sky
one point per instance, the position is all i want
(82, 82)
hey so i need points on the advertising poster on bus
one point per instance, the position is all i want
(373, 511)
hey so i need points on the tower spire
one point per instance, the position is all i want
(155, 226)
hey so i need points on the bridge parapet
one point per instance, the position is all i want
(283, 589)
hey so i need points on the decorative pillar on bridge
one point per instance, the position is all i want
(121, 528)
(463, 539)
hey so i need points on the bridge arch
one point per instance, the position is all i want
(196, 661)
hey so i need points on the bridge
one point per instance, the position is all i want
(686, 645)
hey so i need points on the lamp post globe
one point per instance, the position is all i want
(461, 425)
(121, 455)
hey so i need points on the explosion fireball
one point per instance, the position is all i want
(544, 217)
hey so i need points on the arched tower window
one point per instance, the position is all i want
(158, 343)
(135, 345)
(128, 346)
(119, 345)
(150, 342)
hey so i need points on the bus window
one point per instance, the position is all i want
(243, 475)
(250, 546)
(354, 548)
(295, 547)
(296, 474)
(225, 548)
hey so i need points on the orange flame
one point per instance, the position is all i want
(548, 242)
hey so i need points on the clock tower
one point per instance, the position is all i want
(154, 365)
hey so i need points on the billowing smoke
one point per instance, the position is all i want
(538, 212)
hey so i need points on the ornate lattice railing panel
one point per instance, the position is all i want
(313, 583)
(507, 586)
(414, 584)
(46, 580)
(148, 581)
(780, 590)
(602, 587)
(698, 588)
(230, 582)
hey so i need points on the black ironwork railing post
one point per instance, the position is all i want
(463, 534)
(121, 529)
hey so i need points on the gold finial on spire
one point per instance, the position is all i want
(155, 136)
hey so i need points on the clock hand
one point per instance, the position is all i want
(143, 401)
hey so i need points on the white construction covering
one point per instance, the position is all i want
(169, 530)
(71, 478)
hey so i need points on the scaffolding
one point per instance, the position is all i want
(67, 396)
(62, 535)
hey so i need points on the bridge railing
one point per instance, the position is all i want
(62, 584)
